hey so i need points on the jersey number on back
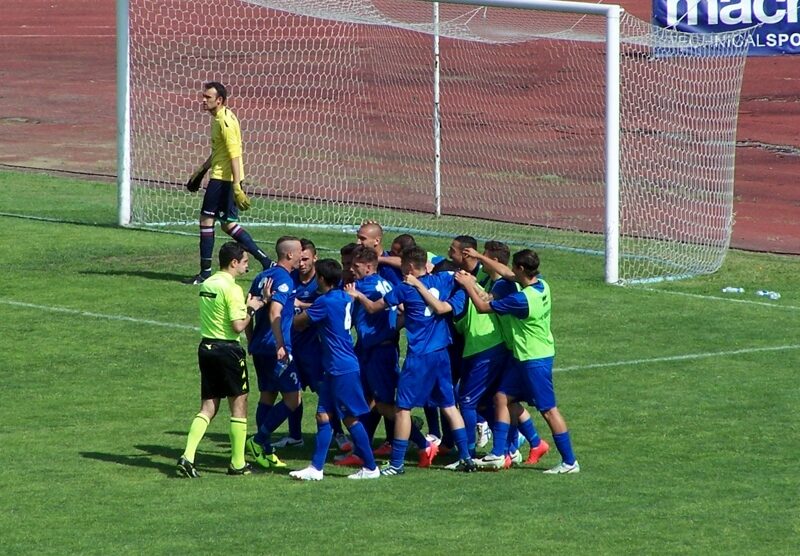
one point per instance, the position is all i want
(348, 316)
(434, 293)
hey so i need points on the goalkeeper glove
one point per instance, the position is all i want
(197, 179)
(240, 197)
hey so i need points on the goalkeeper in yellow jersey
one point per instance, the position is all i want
(224, 196)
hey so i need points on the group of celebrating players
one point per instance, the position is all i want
(477, 333)
(478, 344)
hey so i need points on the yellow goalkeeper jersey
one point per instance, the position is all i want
(226, 144)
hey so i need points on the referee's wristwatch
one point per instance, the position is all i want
(250, 311)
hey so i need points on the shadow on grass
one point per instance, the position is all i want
(147, 274)
(222, 439)
(162, 459)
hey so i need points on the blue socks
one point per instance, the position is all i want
(564, 445)
(296, 422)
(262, 410)
(321, 445)
(361, 444)
(460, 440)
(470, 424)
(399, 449)
(529, 432)
(500, 432)
(513, 439)
(276, 416)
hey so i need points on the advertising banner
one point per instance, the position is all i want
(778, 29)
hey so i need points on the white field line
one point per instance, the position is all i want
(774, 304)
(687, 357)
(78, 312)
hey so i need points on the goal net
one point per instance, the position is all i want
(337, 103)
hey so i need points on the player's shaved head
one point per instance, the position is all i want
(372, 227)
(287, 245)
(370, 234)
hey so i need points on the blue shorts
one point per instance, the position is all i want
(289, 381)
(425, 380)
(530, 381)
(379, 371)
(480, 376)
(342, 395)
(309, 367)
(218, 201)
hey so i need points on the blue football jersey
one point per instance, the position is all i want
(283, 287)
(458, 301)
(332, 315)
(425, 330)
(390, 273)
(503, 288)
(374, 328)
(515, 303)
(305, 340)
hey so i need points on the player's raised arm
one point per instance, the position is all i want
(438, 306)
(475, 293)
(390, 260)
(371, 306)
(252, 305)
(491, 264)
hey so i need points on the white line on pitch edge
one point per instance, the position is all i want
(773, 304)
(687, 357)
(97, 315)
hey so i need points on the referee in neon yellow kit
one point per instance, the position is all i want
(224, 315)
(224, 196)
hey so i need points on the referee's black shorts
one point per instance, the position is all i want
(223, 369)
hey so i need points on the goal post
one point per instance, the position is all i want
(543, 123)
(123, 114)
(612, 14)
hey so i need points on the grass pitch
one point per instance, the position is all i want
(682, 402)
